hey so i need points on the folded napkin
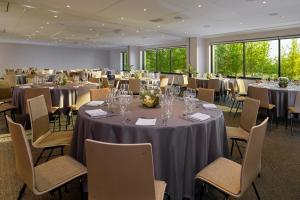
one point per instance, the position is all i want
(96, 113)
(145, 122)
(199, 116)
(209, 106)
(95, 103)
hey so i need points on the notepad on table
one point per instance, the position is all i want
(145, 122)
(199, 116)
(209, 106)
(95, 103)
(96, 113)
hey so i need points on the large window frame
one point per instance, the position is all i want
(279, 55)
(171, 63)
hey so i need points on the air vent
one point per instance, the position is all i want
(177, 17)
(4, 5)
(156, 20)
(117, 31)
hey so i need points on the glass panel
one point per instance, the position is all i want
(150, 60)
(178, 60)
(228, 59)
(164, 61)
(290, 58)
(261, 59)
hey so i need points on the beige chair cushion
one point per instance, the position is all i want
(6, 106)
(237, 133)
(160, 187)
(223, 174)
(294, 110)
(271, 106)
(54, 109)
(57, 172)
(240, 98)
(52, 139)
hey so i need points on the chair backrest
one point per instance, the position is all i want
(297, 102)
(117, 83)
(241, 86)
(251, 165)
(12, 79)
(185, 79)
(99, 94)
(261, 94)
(232, 90)
(214, 84)
(94, 80)
(23, 157)
(164, 81)
(105, 82)
(207, 95)
(83, 96)
(34, 92)
(5, 90)
(119, 171)
(134, 85)
(39, 117)
(249, 114)
(192, 83)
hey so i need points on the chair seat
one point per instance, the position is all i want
(74, 107)
(54, 109)
(243, 93)
(57, 172)
(270, 107)
(240, 98)
(223, 174)
(53, 139)
(294, 110)
(237, 133)
(6, 107)
(160, 187)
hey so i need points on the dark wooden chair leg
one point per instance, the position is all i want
(239, 149)
(257, 195)
(40, 156)
(232, 145)
(21, 192)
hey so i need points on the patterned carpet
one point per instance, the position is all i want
(280, 177)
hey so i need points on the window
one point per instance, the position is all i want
(290, 58)
(124, 60)
(165, 60)
(258, 59)
(261, 58)
(228, 59)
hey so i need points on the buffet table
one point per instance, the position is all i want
(180, 148)
(282, 98)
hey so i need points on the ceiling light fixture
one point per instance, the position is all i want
(182, 20)
(122, 18)
(47, 23)
(55, 16)
(199, 6)
(137, 31)
(103, 24)
(41, 27)
(145, 9)
(68, 6)
(264, 2)
(28, 6)
(158, 26)
(90, 29)
(53, 11)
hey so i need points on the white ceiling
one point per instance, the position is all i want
(118, 23)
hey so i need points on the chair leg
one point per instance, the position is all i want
(226, 196)
(40, 156)
(50, 154)
(21, 192)
(52, 195)
(62, 150)
(292, 123)
(167, 195)
(257, 195)
(232, 145)
(81, 188)
(232, 105)
(239, 149)
(237, 108)
(54, 123)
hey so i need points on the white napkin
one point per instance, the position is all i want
(96, 113)
(95, 103)
(145, 122)
(199, 116)
(209, 106)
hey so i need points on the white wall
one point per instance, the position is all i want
(134, 56)
(21, 55)
(115, 59)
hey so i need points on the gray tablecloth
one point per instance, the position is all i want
(61, 97)
(282, 98)
(180, 149)
(203, 83)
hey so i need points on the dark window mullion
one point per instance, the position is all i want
(279, 57)
(244, 59)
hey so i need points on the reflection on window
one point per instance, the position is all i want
(228, 59)
(166, 60)
(290, 58)
(261, 58)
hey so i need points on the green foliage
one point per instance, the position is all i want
(165, 60)
(290, 62)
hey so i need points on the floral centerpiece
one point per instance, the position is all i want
(283, 82)
(61, 79)
(138, 74)
(149, 95)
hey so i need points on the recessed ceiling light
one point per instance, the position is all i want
(264, 2)
(103, 24)
(145, 9)
(47, 23)
(37, 31)
(158, 26)
(185, 32)
(55, 16)
(241, 22)
(122, 18)
(68, 6)
(28, 6)
(53, 11)
(41, 27)
(182, 20)
(137, 31)
(199, 6)
(90, 29)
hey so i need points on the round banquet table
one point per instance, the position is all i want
(181, 148)
(61, 97)
(282, 98)
(203, 83)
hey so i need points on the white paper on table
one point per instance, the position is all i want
(199, 116)
(95, 103)
(145, 122)
(96, 113)
(209, 106)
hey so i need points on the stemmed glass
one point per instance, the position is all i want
(109, 99)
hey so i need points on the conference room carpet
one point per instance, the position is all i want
(280, 175)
